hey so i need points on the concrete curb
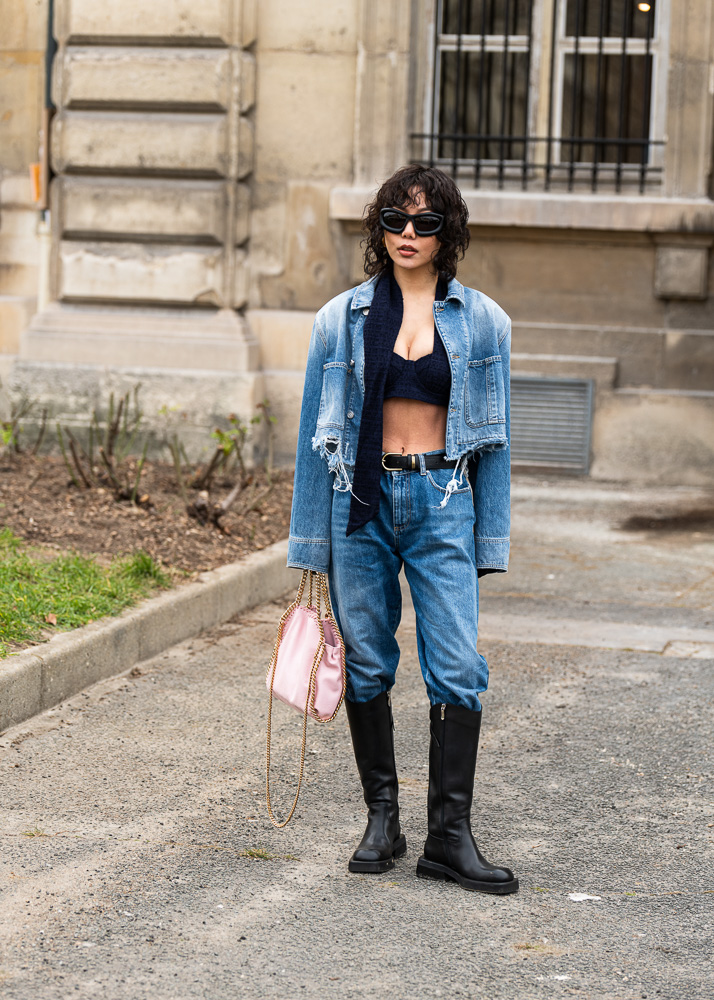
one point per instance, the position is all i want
(31, 682)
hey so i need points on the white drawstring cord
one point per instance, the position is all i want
(453, 484)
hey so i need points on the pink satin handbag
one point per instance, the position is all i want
(307, 668)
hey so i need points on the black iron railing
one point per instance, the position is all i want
(559, 95)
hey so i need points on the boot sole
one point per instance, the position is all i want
(375, 867)
(433, 870)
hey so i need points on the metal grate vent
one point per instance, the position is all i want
(550, 422)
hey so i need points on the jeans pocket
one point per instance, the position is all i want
(438, 478)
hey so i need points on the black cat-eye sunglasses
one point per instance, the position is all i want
(425, 223)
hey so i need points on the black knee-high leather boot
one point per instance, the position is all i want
(450, 852)
(372, 738)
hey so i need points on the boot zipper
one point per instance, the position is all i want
(443, 709)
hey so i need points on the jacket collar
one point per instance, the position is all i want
(364, 293)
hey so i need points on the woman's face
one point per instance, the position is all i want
(406, 249)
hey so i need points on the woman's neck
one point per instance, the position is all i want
(421, 281)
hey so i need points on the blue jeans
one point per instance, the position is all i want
(436, 546)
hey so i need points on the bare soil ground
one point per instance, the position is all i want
(39, 503)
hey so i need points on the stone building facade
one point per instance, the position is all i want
(211, 164)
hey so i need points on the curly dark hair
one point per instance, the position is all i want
(441, 195)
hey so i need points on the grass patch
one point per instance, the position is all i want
(540, 948)
(34, 832)
(260, 854)
(66, 591)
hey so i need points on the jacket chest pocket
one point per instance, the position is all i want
(484, 394)
(333, 399)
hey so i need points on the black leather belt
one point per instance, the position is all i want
(393, 462)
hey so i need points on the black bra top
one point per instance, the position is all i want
(427, 379)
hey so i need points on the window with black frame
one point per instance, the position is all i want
(560, 95)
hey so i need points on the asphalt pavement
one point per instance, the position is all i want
(138, 861)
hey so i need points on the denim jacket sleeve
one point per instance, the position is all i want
(493, 485)
(309, 542)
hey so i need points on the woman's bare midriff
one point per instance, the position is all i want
(411, 426)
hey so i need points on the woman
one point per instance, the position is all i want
(403, 459)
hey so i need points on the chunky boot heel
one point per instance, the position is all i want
(425, 869)
(371, 727)
(450, 851)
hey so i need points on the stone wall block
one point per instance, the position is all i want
(682, 272)
(114, 76)
(24, 26)
(385, 25)
(317, 271)
(381, 116)
(16, 191)
(248, 22)
(246, 143)
(20, 107)
(240, 280)
(633, 430)
(246, 77)
(140, 272)
(283, 336)
(382, 147)
(19, 252)
(309, 27)
(562, 281)
(139, 142)
(305, 125)
(17, 279)
(284, 390)
(242, 213)
(689, 360)
(89, 21)
(640, 352)
(143, 337)
(690, 99)
(15, 313)
(94, 207)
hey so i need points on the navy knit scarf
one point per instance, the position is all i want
(381, 329)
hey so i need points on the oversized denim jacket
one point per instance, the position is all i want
(476, 334)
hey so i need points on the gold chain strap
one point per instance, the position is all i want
(321, 589)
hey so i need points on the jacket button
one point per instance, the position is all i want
(365, 312)
(350, 414)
